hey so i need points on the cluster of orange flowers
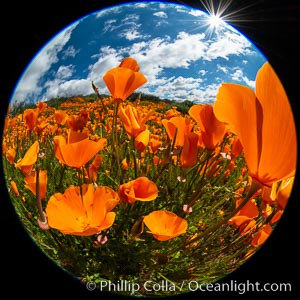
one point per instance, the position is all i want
(259, 124)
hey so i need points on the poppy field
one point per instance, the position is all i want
(112, 189)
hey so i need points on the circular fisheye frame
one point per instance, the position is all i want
(143, 138)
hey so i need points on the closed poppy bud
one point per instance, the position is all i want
(142, 140)
(30, 117)
(161, 258)
(14, 188)
(137, 228)
(93, 168)
(124, 164)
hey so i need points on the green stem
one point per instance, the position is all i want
(115, 140)
(168, 280)
(38, 197)
(61, 177)
(134, 158)
(255, 186)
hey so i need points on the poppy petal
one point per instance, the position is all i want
(236, 106)
(278, 128)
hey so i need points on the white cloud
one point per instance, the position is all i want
(109, 25)
(202, 72)
(160, 14)
(111, 10)
(228, 43)
(196, 13)
(197, 92)
(239, 76)
(131, 34)
(70, 52)
(29, 83)
(160, 53)
(176, 87)
(140, 5)
(162, 5)
(107, 59)
(65, 72)
(131, 19)
(60, 88)
(158, 58)
(222, 68)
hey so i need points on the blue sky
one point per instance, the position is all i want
(182, 55)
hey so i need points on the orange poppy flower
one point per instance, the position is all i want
(155, 144)
(26, 163)
(263, 121)
(165, 225)
(10, 154)
(124, 164)
(41, 106)
(141, 141)
(244, 219)
(76, 154)
(236, 147)
(284, 191)
(77, 122)
(31, 183)
(212, 130)
(139, 189)
(262, 235)
(40, 127)
(172, 112)
(83, 215)
(60, 116)
(77, 136)
(30, 117)
(122, 81)
(176, 128)
(188, 155)
(133, 121)
(130, 63)
(280, 190)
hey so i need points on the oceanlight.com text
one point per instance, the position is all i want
(240, 287)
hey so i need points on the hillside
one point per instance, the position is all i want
(61, 101)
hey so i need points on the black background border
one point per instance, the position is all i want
(273, 27)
